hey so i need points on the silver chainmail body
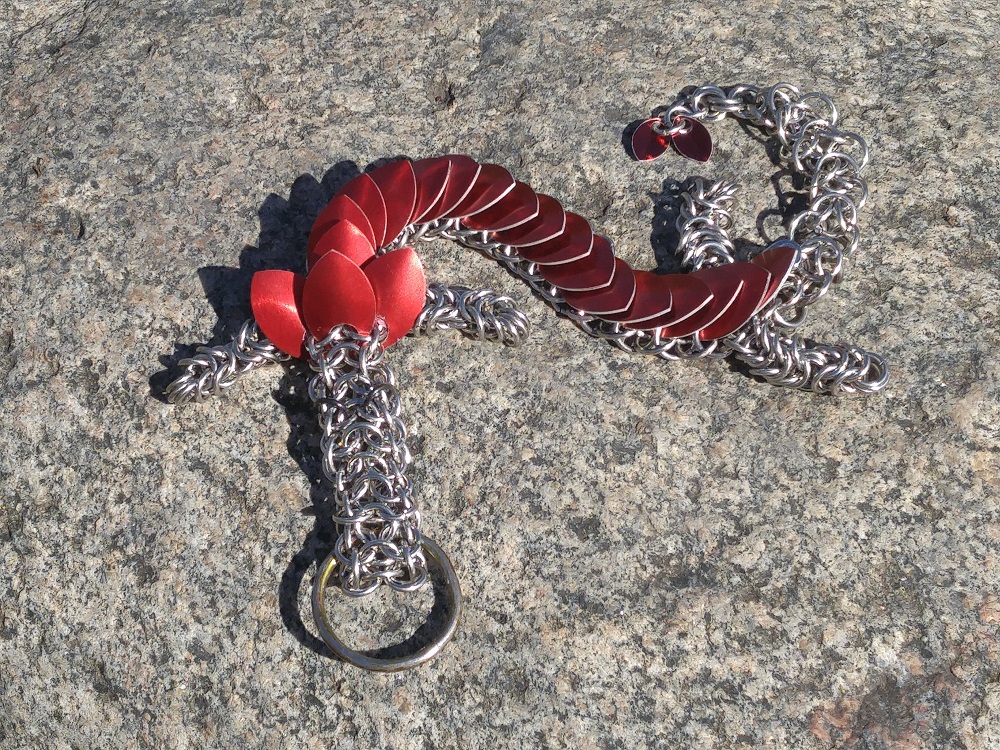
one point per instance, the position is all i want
(363, 438)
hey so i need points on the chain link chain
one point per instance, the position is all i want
(215, 368)
(365, 457)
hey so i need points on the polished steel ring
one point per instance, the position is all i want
(391, 664)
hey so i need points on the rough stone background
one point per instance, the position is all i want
(653, 555)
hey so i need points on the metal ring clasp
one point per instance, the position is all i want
(393, 664)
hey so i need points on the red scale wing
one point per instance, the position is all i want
(688, 297)
(549, 224)
(517, 207)
(573, 244)
(755, 285)
(345, 238)
(492, 184)
(596, 271)
(778, 260)
(614, 298)
(695, 142)
(725, 283)
(397, 278)
(337, 292)
(363, 191)
(276, 300)
(398, 186)
(461, 179)
(647, 144)
(341, 207)
(432, 179)
(653, 297)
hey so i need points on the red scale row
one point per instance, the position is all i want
(348, 283)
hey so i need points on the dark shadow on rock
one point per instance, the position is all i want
(284, 229)
(664, 236)
(792, 200)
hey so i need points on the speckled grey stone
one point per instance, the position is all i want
(653, 555)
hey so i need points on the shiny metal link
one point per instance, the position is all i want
(822, 368)
(365, 457)
(703, 223)
(478, 313)
(831, 160)
(215, 368)
(811, 144)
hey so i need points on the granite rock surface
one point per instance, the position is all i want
(653, 555)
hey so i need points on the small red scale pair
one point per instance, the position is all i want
(349, 281)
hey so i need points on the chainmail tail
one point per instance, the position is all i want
(365, 458)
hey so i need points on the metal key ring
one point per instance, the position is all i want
(392, 664)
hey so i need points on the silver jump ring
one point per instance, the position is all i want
(365, 660)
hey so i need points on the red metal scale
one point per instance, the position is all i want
(778, 260)
(492, 184)
(572, 244)
(595, 271)
(647, 144)
(616, 297)
(276, 300)
(462, 177)
(363, 191)
(341, 207)
(751, 297)
(725, 283)
(548, 224)
(398, 186)
(432, 180)
(688, 297)
(350, 284)
(343, 237)
(517, 207)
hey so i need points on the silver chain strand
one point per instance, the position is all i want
(478, 313)
(365, 458)
(215, 368)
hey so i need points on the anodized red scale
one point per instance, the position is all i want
(573, 244)
(595, 271)
(363, 191)
(345, 238)
(398, 186)
(653, 297)
(647, 144)
(778, 260)
(276, 301)
(340, 207)
(688, 296)
(695, 142)
(550, 223)
(397, 279)
(752, 296)
(518, 207)
(337, 292)
(725, 283)
(461, 179)
(432, 179)
(492, 184)
(614, 298)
